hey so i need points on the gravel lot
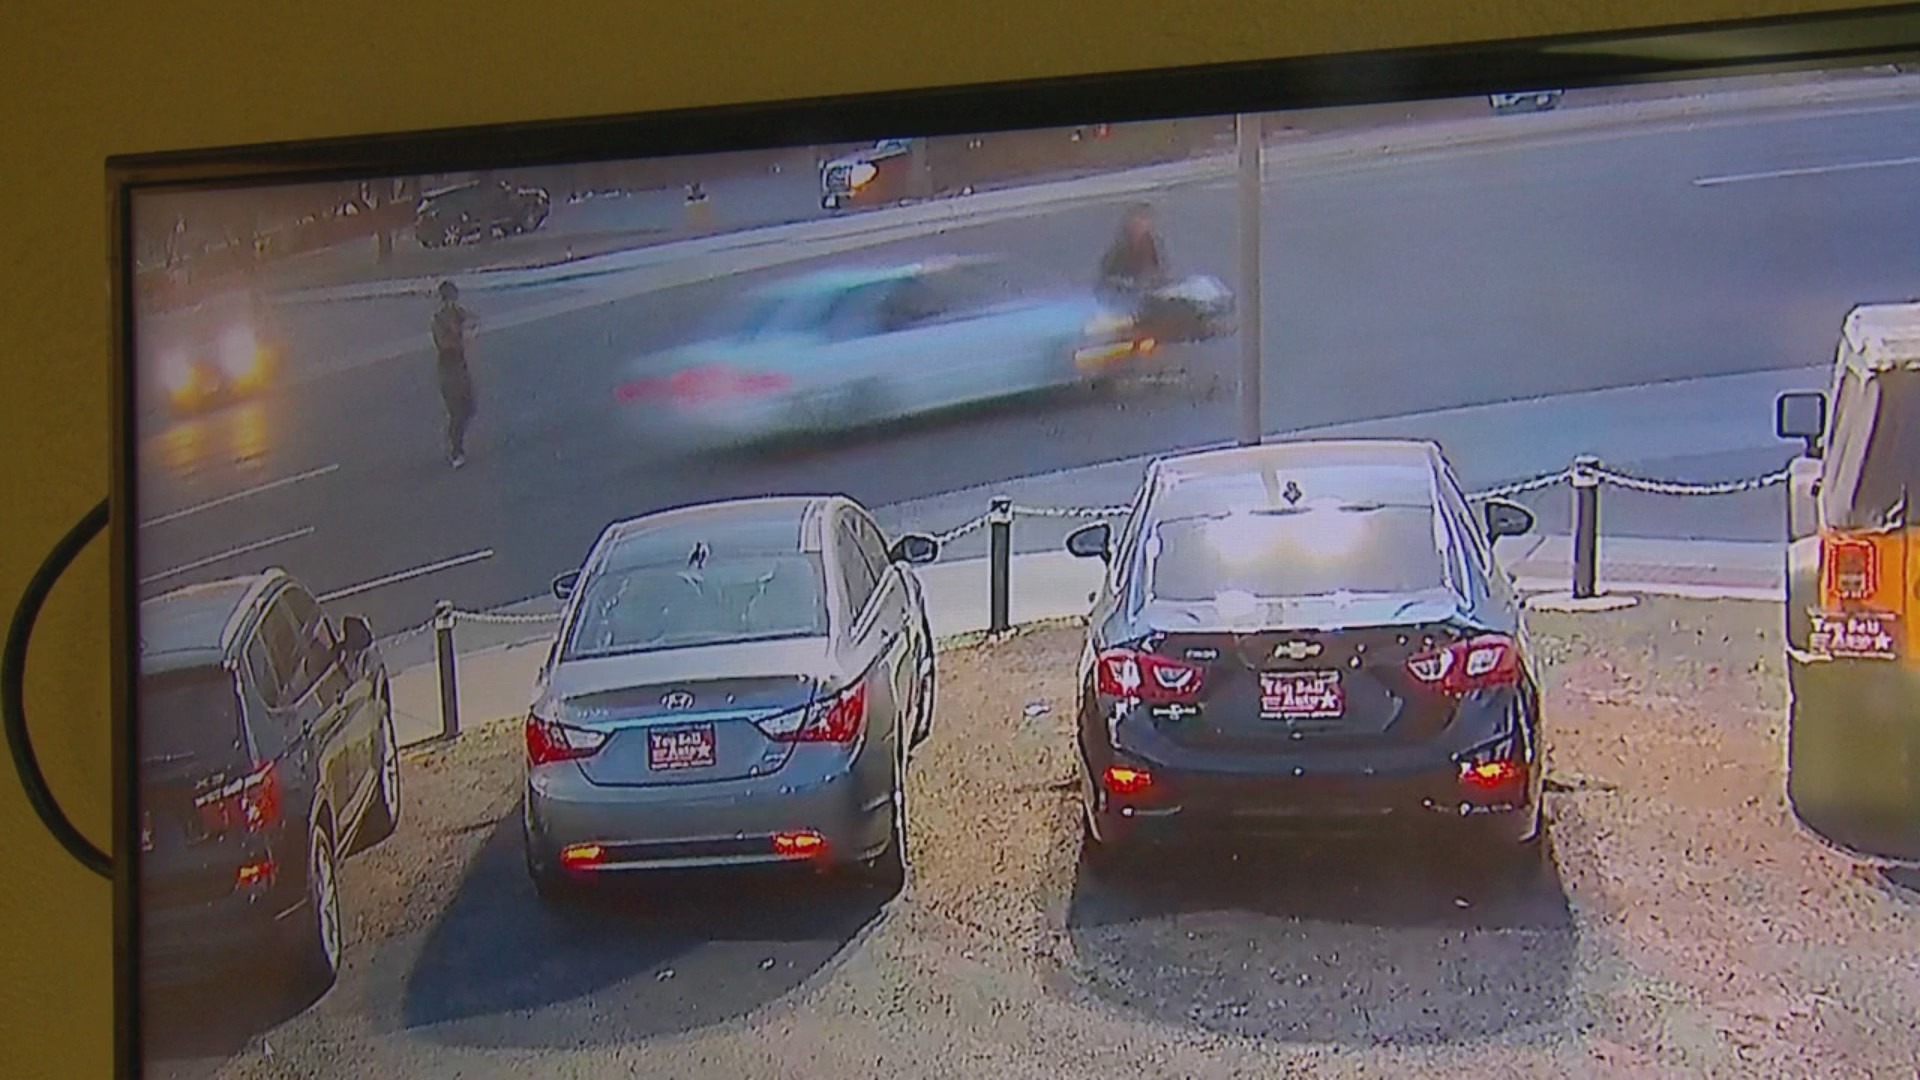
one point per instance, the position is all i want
(1688, 928)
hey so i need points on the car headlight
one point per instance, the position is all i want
(862, 174)
(1107, 324)
(239, 352)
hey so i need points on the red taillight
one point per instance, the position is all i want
(582, 855)
(1853, 568)
(251, 803)
(257, 872)
(1496, 775)
(799, 845)
(1156, 680)
(1126, 779)
(548, 742)
(835, 720)
(1484, 662)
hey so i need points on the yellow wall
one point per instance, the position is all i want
(84, 79)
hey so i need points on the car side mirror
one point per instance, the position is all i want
(1802, 415)
(1093, 541)
(1507, 519)
(356, 637)
(564, 585)
(914, 549)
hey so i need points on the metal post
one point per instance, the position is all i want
(1586, 527)
(449, 680)
(1000, 559)
(1247, 131)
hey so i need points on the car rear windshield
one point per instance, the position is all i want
(1316, 551)
(674, 606)
(189, 716)
(1875, 474)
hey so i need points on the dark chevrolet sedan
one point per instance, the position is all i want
(1308, 638)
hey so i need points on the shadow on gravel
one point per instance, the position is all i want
(216, 1018)
(1328, 945)
(500, 969)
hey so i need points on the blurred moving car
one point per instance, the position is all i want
(838, 349)
(224, 349)
(1531, 101)
(1304, 639)
(478, 210)
(734, 683)
(266, 755)
(879, 174)
(1853, 586)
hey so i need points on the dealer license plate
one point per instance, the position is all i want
(680, 748)
(1301, 695)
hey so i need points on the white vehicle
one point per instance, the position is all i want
(847, 348)
(1531, 101)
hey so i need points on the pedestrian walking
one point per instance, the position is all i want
(452, 326)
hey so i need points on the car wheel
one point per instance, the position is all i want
(929, 681)
(383, 813)
(552, 886)
(887, 871)
(323, 937)
(1102, 858)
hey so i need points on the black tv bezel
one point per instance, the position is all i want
(1855, 37)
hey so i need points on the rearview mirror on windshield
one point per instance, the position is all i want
(1802, 415)
(1507, 519)
(1093, 541)
(564, 585)
(914, 549)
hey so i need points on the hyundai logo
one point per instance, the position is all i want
(678, 699)
(1297, 650)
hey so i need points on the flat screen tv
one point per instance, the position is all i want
(1386, 564)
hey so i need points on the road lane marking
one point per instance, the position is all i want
(244, 493)
(406, 575)
(243, 549)
(1811, 170)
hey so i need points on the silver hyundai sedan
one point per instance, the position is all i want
(733, 683)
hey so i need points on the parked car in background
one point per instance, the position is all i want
(732, 684)
(478, 210)
(840, 349)
(266, 755)
(1853, 589)
(1304, 640)
(1531, 101)
(875, 175)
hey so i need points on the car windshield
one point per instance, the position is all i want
(1876, 471)
(1316, 550)
(189, 716)
(782, 314)
(674, 606)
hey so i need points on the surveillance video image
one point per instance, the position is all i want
(1426, 589)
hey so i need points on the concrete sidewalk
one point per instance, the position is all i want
(496, 678)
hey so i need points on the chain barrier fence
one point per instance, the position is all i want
(1586, 476)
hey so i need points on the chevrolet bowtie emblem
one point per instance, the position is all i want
(1297, 650)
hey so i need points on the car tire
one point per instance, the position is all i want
(549, 884)
(929, 689)
(1101, 858)
(887, 871)
(382, 815)
(322, 939)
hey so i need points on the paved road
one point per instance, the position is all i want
(1392, 288)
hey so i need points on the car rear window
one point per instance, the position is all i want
(189, 716)
(1313, 551)
(674, 606)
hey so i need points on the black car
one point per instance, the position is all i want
(267, 754)
(1308, 638)
(477, 210)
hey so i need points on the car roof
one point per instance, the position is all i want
(198, 625)
(1250, 477)
(765, 525)
(1883, 337)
